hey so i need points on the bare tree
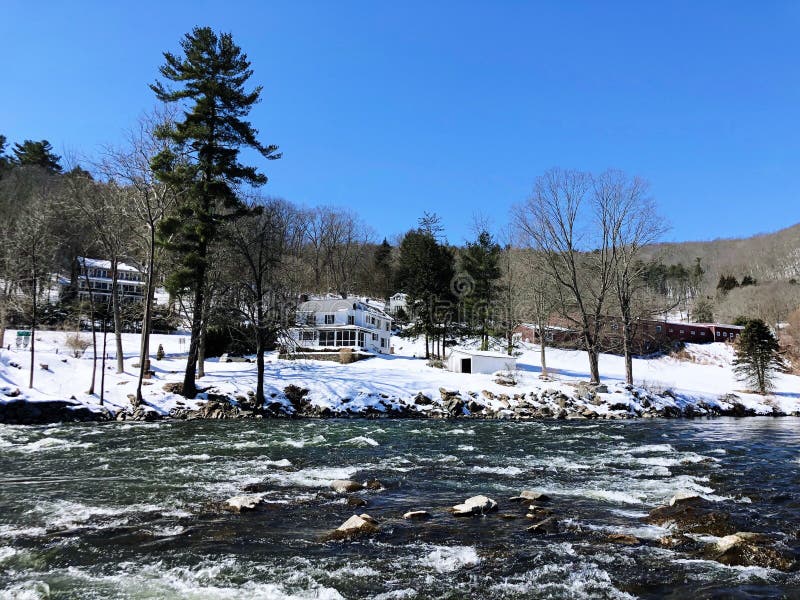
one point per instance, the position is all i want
(34, 248)
(151, 201)
(633, 223)
(263, 244)
(564, 221)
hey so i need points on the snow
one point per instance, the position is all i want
(703, 373)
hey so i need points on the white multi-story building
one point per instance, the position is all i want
(341, 323)
(398, 301)
(130, 281)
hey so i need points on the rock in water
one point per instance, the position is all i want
(682, 496)
(477, 505)
(548, 525)
(355, 525)
(417, 515)
(244, 502)
(341, 486)
(531, 495)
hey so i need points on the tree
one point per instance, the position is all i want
(150, 202)
(569, 225)
(758, 356)
(262, 289)
(703, 311)
(210, 80)
(726, 284)
(480, 263)
(425, 272)
(39, 154)
(4, 159)
(633, 224)
(384, 272)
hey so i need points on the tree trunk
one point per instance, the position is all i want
(594, 363)
(103, 362)
(627, 342)
(94, 329)
(201, 353)
(189, 386)
(115, 309)
(542, 347)
(3, 317)
(144, 346)
(33, 329)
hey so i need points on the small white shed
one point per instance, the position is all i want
(478, 361)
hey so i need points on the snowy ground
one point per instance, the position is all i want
(706, 377)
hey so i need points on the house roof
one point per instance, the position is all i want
(105, 264)
(484, 353)
(337, 304)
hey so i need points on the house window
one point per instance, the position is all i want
(327, 338)
(361, 338)
(724, 334)
(693, 332)
(671, 330)
(681, 332)
(719, 334)
(702, 333)
(383, 343)
(658, 328)
(374, 337)
(329, 319)
(346, 337)
(351, 320)
(387, 325)
(307, 336)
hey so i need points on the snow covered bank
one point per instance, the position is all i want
(404, 384)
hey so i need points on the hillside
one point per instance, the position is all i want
(768, 256)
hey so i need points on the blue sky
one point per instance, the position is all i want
(393, 108)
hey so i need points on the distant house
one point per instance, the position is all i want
(341, 323)
(462, 360)
(130, 281)
(397, 302)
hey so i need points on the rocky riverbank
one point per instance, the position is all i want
(564, 401)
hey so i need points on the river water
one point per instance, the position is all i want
(130, 510)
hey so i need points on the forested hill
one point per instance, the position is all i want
(769, 256)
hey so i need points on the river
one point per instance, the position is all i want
(131, 510)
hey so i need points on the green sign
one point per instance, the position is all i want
(23, 334)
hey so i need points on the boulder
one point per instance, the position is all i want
(695, 515)
(749, 549)
(477, 505)
(342, 486)
(682, 496)
(622, 538)
(417, 515)
(355, 525)
(531, 496)
(244, 502)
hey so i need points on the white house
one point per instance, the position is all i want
(398, 301)
(130, 282)
(341, 323)
(478, 361)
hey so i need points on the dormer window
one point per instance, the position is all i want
(329, 319)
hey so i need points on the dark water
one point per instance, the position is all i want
(127, 510)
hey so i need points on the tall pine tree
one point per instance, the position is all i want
(757, 356)
(480, 261)
(208, 82)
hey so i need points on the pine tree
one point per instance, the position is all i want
(40, 154)
(204, 163)
(384, 272)
(480, 262)
(757, 356)
(424, 272)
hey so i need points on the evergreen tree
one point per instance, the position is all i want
(757, 356)
(204, 162)
(480, 262)
(727, 283)
(703, 312)
(40, 154)
(384, 272)
(4, 160)
(424, 272)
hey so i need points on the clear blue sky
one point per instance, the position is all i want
(393, 108)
